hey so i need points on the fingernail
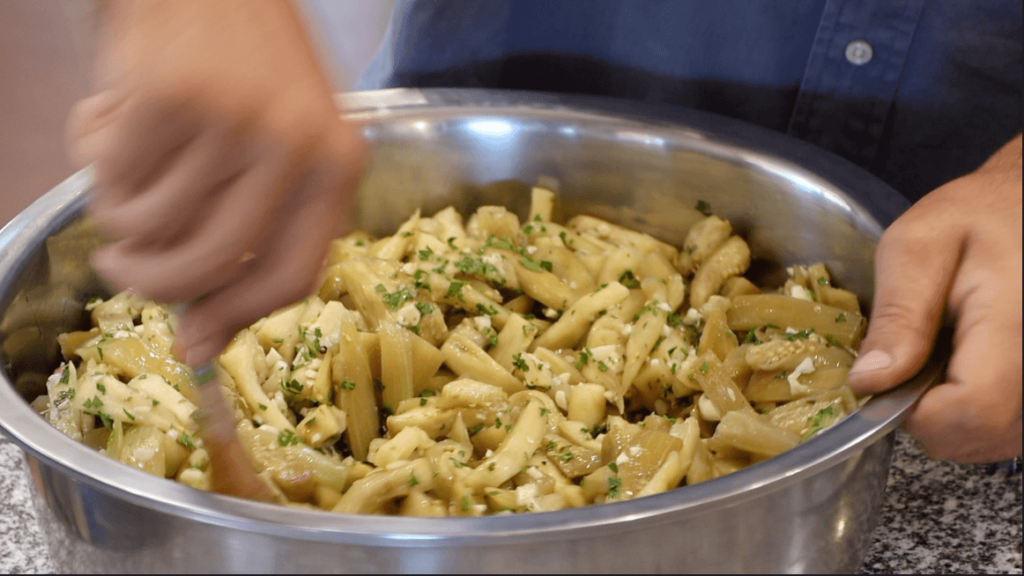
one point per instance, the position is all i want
(874, 360)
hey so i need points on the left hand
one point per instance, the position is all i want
(958, 247)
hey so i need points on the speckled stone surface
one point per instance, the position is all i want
(939, 517)
(943, 518)
(22, 548)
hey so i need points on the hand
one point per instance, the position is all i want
(223, 169)
(959, 246)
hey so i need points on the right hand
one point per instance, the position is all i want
(223, 169)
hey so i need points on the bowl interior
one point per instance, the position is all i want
(652, 169)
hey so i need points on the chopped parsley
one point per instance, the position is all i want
(95, 402)
(800, 335)
(628, 279)
(652, 308)
(106, 419)
(395, 299)
(824, 418)
(455, 290)
(186, 441)
(292, 386)
(468, 264)
(488, 310)
(614, 487)
(531, 264)
(502, 243)
(65, 395)
(418, 282)
(287, 438)
(518, 362)
(584, 358)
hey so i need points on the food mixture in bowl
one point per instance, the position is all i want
(485, 366)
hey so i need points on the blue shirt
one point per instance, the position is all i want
(917, 92)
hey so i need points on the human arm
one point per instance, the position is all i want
(957, 249)
(222, 167)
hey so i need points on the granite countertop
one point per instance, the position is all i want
(939, 517)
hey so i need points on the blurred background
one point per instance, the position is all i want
(44, 69)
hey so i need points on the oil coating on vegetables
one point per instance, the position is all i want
(485, 366)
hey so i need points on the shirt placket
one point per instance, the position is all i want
(852, 75)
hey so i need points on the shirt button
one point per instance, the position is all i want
(859, 52)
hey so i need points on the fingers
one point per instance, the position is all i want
(209, 257)
(976, 415)
(914, 265)
(283, 274)
(130, 141)
(215, 228)
(166, 208)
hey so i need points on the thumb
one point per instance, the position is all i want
(914, 268)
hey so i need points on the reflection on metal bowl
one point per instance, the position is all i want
(808, 510)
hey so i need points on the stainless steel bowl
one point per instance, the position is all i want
(812, 509)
